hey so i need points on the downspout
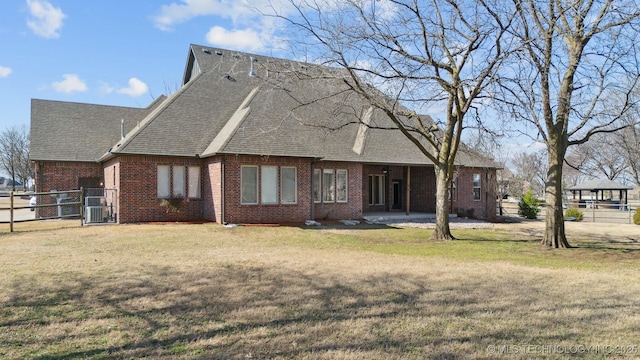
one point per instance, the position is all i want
(313, 203)
(222, 205)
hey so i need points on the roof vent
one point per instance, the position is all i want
(251, 72)
(218, 52)
(206, 51)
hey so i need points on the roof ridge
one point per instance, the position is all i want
(147, 120)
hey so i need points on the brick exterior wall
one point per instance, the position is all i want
(61, 176)
(111, 173)
(212, 190)
(236, 212)
(423, 190)
(350, 210)
(485, 208)
(138, 191)
(134, 179)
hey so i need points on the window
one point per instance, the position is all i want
(164, 181)
(288, 185)
(341, 185)
(328, 186)
(193, 186)
(249, 184)
(269, 184)
(317, 185)
(376, 189)
(178, 182)
(476, 187)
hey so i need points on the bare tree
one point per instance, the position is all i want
(421, 55)
(14, 154)
(600, 156)
(575, 55)
(628, 144)
(530, 169)
(630, 148)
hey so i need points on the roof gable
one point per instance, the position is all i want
(80, 132)
(238, 103)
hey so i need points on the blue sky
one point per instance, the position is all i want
(114, 52)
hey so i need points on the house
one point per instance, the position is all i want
(246, 139)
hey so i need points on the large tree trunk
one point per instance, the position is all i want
(442, 230)
(554, 234)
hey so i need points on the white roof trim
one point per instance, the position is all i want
(231, 126)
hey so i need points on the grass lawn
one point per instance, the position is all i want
(204, 291)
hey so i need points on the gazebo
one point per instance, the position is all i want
(597, 189)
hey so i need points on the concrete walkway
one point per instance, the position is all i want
(18, 214)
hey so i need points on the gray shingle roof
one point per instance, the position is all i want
(221, 109)
(600, 184)
(62, 131)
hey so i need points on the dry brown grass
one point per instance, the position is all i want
(204, 291)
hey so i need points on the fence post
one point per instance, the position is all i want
(81, 206)
(11, 212)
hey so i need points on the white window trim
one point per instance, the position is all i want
(380, 180)
(194, 186)
(479, 187)
(346, 185)
(178, 182)
(332, 188)
(317, 183)
(242, 202)
(295, 186)
(268, 183)
(165, 194)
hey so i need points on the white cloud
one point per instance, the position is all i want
(185, 10)
(106, 88)
(71, 83)
(4, 71)
(247, 39)
(135, 89)
(45, 20)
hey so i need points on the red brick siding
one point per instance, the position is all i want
(61, 176)
(423, 189)
(64, 175)
(212, 190)
(235, 212)
(352, 209)
(139, 200)
(486, 206)
(112, 181)
(135, 178)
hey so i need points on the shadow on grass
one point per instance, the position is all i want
(235, 311)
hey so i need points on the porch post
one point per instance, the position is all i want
(408, 202)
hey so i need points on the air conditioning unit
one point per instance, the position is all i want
(95, 214)
(94, 201)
